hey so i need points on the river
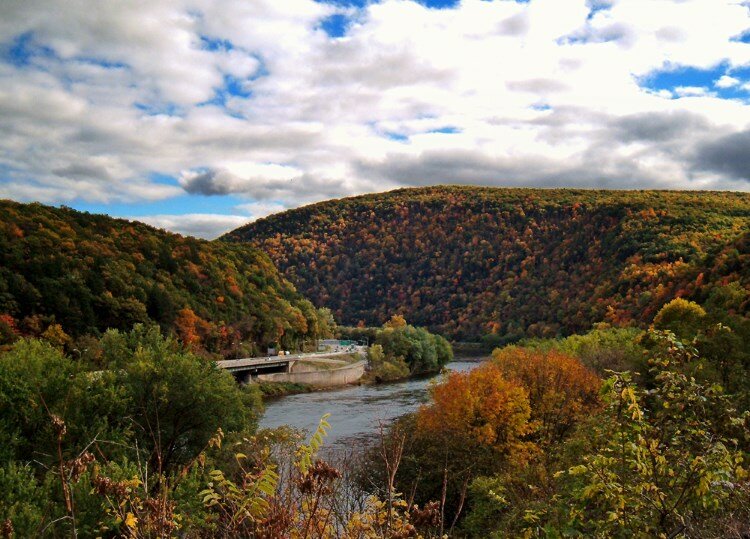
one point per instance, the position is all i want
(356, 411)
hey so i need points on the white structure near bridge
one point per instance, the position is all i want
(332, 371)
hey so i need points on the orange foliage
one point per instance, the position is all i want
(55, 335)
(456, 259)
(8, 330)
(15, 231)
(232, 286)
(396, 321)
(190, 327)
(479, 408)
(561, 390)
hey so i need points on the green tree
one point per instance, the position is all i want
(35, 382)
(683, 318)
(422, 351)
(180, 400)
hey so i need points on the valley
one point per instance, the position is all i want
(160, 383)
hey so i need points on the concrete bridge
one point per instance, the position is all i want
(244, 370)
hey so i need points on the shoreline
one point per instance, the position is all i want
(272, 391)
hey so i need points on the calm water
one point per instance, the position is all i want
(355, 410)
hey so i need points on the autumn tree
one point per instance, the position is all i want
(8, 329)
(396, 321)
(190, 328)
(56, 336)
(561, 390)
(476, 424)
(479, 408)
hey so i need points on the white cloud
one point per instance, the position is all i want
(532, 93)
(258, 210)
(692, 91)
(200, 225)
(726, 82)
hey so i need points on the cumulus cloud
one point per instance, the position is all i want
(726, 82)
(255, 101)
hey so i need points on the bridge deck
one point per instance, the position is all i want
(250, 362)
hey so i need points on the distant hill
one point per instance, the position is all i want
(470, 261)
(92, 272)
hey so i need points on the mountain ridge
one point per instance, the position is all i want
(468, 261)
(91, 272)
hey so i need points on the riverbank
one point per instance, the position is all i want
(320, 374)
(271, 389)
(468, 350)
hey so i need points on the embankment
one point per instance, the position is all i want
(348, 374)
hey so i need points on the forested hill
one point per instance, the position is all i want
(89, 272)
(471, 261)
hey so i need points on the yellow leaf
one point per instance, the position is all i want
(131, 521)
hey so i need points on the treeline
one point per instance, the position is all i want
(509, 263)
(75, 274)
(613, 433)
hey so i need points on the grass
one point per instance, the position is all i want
(279, 389)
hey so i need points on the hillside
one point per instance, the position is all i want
(470, 261)
(92, 272)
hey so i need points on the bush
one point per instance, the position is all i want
(22, 500)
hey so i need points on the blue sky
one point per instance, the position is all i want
(200, 116)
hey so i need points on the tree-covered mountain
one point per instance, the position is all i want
(89, 272)
(470, 261)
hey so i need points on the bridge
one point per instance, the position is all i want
(247, 368)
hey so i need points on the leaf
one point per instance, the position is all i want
(130, 521)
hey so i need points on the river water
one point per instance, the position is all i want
(356, 411)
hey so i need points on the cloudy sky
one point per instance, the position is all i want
(200, 115)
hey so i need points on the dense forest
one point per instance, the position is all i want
(70, 274)
(505, 263)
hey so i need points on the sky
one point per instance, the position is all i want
(201, 115)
